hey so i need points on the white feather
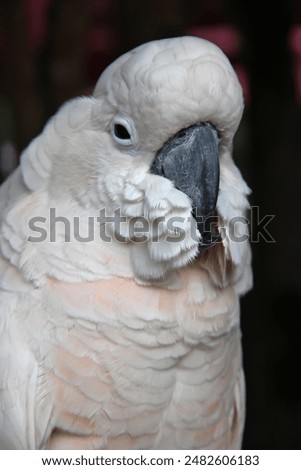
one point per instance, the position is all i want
(123, 344)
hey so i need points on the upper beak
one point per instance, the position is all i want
(190, 159)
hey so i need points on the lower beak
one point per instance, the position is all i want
(190, 160)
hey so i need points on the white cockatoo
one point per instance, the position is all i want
(123, 253)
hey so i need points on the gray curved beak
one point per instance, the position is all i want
(190, 159)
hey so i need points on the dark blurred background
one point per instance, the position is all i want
(52, 50)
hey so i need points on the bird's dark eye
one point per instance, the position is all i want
(121, 132)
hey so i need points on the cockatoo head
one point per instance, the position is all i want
(154, 141)
(176, 103)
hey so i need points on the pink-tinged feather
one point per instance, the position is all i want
(122, 344)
